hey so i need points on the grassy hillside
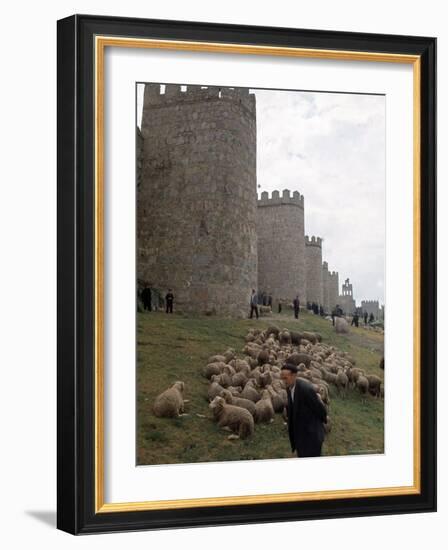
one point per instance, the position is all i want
(174, 348)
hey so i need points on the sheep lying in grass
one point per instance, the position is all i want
(213, 368)
(239, 379)
(277, 399)
(214, 390)
(240, 365)
(312, 337)
(238, 401)
(170, 403)
(250, 392)
(237, 419)
(224, 379)
(297, 358)
(217, 359)
(263, 357)
(229, 354)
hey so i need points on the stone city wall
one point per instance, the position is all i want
(197, 201)
(281, 245)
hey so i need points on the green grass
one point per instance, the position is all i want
(171, 348)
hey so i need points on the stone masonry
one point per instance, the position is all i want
(325, 287)
(313, 258)
(281, 245)
(371, 306)
(346, 300)
(197, 200)
(333, 289)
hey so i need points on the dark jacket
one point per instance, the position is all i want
(146, 295)
(306, 416)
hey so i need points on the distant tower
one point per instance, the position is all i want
(347, 288)
(325, 287)
(197, 199)
(347, 302)
(333, 289)
(313, 257)
(281, 245)
(372, 306)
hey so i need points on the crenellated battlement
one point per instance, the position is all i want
(199, 142)
(276, 199)
(175, 93)
(370, 303)
(313, 241)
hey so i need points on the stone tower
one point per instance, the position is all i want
(196, 197)
(325, 287)
(346, 300)
(371, 306)
(313, 258)
(333, 289)
(281, 245)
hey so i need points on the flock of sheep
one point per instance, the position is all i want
(249, 390)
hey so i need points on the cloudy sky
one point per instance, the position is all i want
(331, 148)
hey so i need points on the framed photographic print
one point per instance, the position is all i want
(246, 274)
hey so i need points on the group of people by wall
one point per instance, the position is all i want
(152, 299)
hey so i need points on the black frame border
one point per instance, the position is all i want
(76, 263)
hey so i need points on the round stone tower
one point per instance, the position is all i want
(333, 289)
(281, 245)
(325, 287)
(313, 257)
(196, 200)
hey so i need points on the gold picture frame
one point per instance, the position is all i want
(95, 35)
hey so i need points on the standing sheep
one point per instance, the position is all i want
(342, 382)
(362, 384)
(374, 385)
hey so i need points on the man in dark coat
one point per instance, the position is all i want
(147, 298)
(306, 414)
(169, 300)
(296, 304)
(253, 304)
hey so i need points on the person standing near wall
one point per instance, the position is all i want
(169, 301)
(296, 304)
(253, 304)
(147, 298)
